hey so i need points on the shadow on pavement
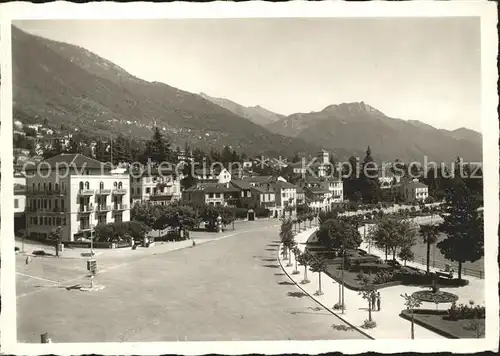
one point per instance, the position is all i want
(296, 294)
(286, 283)
(280, 274)
(271, 266)
(270, 249)
(268, 259)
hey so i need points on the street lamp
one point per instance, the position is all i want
(343, 258)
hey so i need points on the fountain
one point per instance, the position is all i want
(434, 295)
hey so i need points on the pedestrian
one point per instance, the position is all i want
(194, 243)
(378, 301)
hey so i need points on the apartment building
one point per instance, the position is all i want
(223, 194)
(158, 187)
(212, 175)
(410, 191)
(264, 197)
(76, 193)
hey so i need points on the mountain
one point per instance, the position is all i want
(71, 86)
(256, 114)
(354, 126)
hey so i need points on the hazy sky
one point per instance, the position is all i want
(420, 69)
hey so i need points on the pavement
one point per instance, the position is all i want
(389, 323)
(231, 288)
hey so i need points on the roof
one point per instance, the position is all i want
(70, 160)
(317, 190)
(207, 171)
(241, 184)
(416, 185)
(263, 189)
(284, 185)
(261, 179)
(300, 190)
(213, 188)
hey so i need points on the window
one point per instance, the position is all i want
(39, 186)
(87, 185)
(115, 185)
(50, 186)
(210, 195)
(56, 187)
(101, 185)
(81, 185)
(120, 185)
(16, 203)
(62, 204)
(45, 203)
(148, 190)
(63, 186)
(34, 187)
(44, 186)
(50, 204)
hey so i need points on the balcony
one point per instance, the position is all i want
(46, 192)
(103, 208)
(84, 228)
(83, 209)
(44, 210)
(103, 192)
(86, 192)
(119, 191)
(268, 204)
(120, 207)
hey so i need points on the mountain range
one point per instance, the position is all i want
(256, 114)
(71, 86)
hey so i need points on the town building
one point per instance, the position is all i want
(218, 194)
(264, 197)
(76, 193)
(212, 175)
(160, 187)
(410, 191)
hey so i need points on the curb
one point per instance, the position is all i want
(317, 301)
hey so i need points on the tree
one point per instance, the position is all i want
(296, 254)
(411, 303)
(158, 149)
(286, 234)
(463, 226)
(121, 150)
(73, 146)
(406, 254)
(368, 292)
(392, 234)
(56, 236)
(305, 260)
(370, 188)
(336, 233)
(430, 236)
(318, 265)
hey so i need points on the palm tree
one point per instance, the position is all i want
(430, 235)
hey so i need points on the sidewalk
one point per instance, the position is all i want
(389, 324)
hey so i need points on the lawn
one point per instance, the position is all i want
(449, 328)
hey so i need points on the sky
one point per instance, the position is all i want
(426, 69)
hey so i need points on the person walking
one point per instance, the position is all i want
(378, 301)
(373, 301)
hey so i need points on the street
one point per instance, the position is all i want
(230, 289)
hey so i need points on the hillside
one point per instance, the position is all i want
(71, 86)
(256, 114)
(354, 126)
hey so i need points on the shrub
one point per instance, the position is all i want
(383, 277)
(39, 253)
(369, 324)
(261, 212)
(240, 213)
(463, 311)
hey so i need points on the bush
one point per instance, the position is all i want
(367, 324)
(240, 213)
(261, 212)
(39, 253)
(383, 277)
(463, 311)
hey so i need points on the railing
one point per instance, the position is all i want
(84, 228)
(103, 208)
(442, 265)
(45, 192)
(120, 207)
(103, 192)
(86, 209)
(44, 210)
(86, 192)
(119, 191)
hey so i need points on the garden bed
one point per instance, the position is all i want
(436, 322)
(351, 280)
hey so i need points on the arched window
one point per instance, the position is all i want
(101, 185)
(56, 186)
(34, 186)
(63, 186)
(120, 185)
(44, 186)
(87, 185)
(39, 186)
(50, 186)
(81, 185)
(115, 185)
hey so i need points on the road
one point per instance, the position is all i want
(230, 289)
